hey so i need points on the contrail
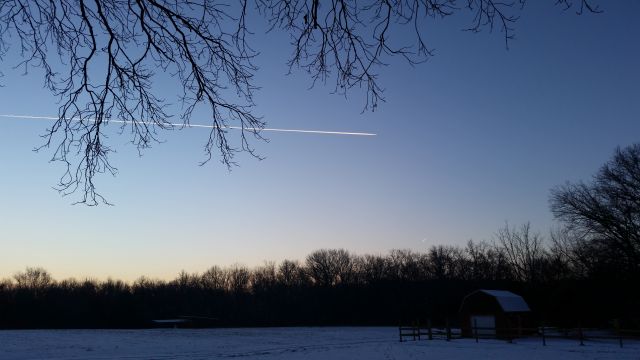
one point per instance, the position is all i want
(32, 117)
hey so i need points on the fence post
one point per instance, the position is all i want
(430, 331)
(448, 331)
(400, 330)
(616, 326)
(475, 329)
(581, 335)
(544, 340)
(620, 336)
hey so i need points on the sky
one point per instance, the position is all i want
(473, 138)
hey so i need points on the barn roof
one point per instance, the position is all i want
(509, 302)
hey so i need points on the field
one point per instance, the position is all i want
(352, 343)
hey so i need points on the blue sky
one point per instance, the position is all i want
(476, 136)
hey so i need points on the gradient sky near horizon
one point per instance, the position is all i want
(472, 138)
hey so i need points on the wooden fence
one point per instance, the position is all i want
(417, 332)
(581, 335)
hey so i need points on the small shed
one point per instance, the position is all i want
(494, 313)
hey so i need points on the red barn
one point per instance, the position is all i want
(493, 313)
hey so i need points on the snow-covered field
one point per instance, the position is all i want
(352, 343)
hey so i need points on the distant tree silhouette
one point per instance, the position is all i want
(374, 269)
(524, 250)
(403, 265)
(445, 262)
(264, 277)
(373, 290)
(214, 279)
(33, 278)
(239, 279)
(485, 262)
(603, 217)
(574, 250)
(328, 267)
(101, 57)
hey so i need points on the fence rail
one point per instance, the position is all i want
(579, 334)
(417, 332)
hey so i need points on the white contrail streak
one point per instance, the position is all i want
(32, 117)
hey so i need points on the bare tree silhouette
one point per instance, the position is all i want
(110, 50)
(604, 214)
(35, 279)
(524, 250)
(291, 273)
(329, 267)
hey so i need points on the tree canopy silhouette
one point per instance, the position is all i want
(109, 53)
(332, 287)
(603, 216)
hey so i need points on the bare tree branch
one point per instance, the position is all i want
(110, 51)
(606, 212)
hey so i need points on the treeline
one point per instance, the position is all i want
(585, 273)
(335, 287)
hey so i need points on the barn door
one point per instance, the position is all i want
(486, 324)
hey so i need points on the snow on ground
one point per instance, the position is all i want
(352, 343)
